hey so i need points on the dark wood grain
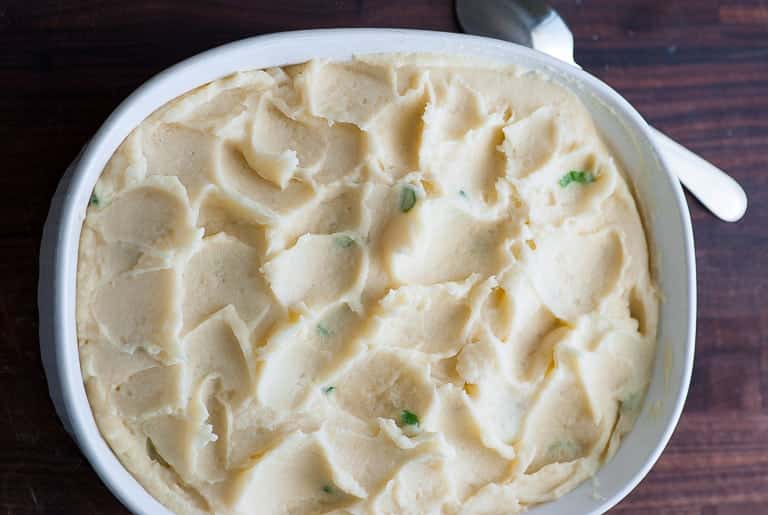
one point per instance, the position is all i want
(697, 69)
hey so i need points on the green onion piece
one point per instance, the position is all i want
(579, 176)
(409, 419)
(463, 193)
(94, 200)
(563, 449)
(407, 199)
(328, 389)
(344, 241)
(328, 489)
(323, 331)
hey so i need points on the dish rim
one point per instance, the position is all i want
(56, 290)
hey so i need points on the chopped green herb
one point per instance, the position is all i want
(463, 193)
(323, 331)
(409, 419)
(579, 176)
(563, 450)
(407, 199)
(94, 200)
(328, 489)
(344, 241)
(328, 389)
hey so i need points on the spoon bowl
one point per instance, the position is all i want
(529, 23)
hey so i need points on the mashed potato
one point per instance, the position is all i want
(399, 284)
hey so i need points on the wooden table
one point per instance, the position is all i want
(697, 69)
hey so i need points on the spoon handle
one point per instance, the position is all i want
(719, 192)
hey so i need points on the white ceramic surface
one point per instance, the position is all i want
(659, 194)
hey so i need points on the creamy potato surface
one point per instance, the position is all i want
(398, 284)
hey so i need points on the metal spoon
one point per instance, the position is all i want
(534, 24)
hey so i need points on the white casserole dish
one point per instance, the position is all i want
(659, 195)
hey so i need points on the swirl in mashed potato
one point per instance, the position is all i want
(398, 284)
